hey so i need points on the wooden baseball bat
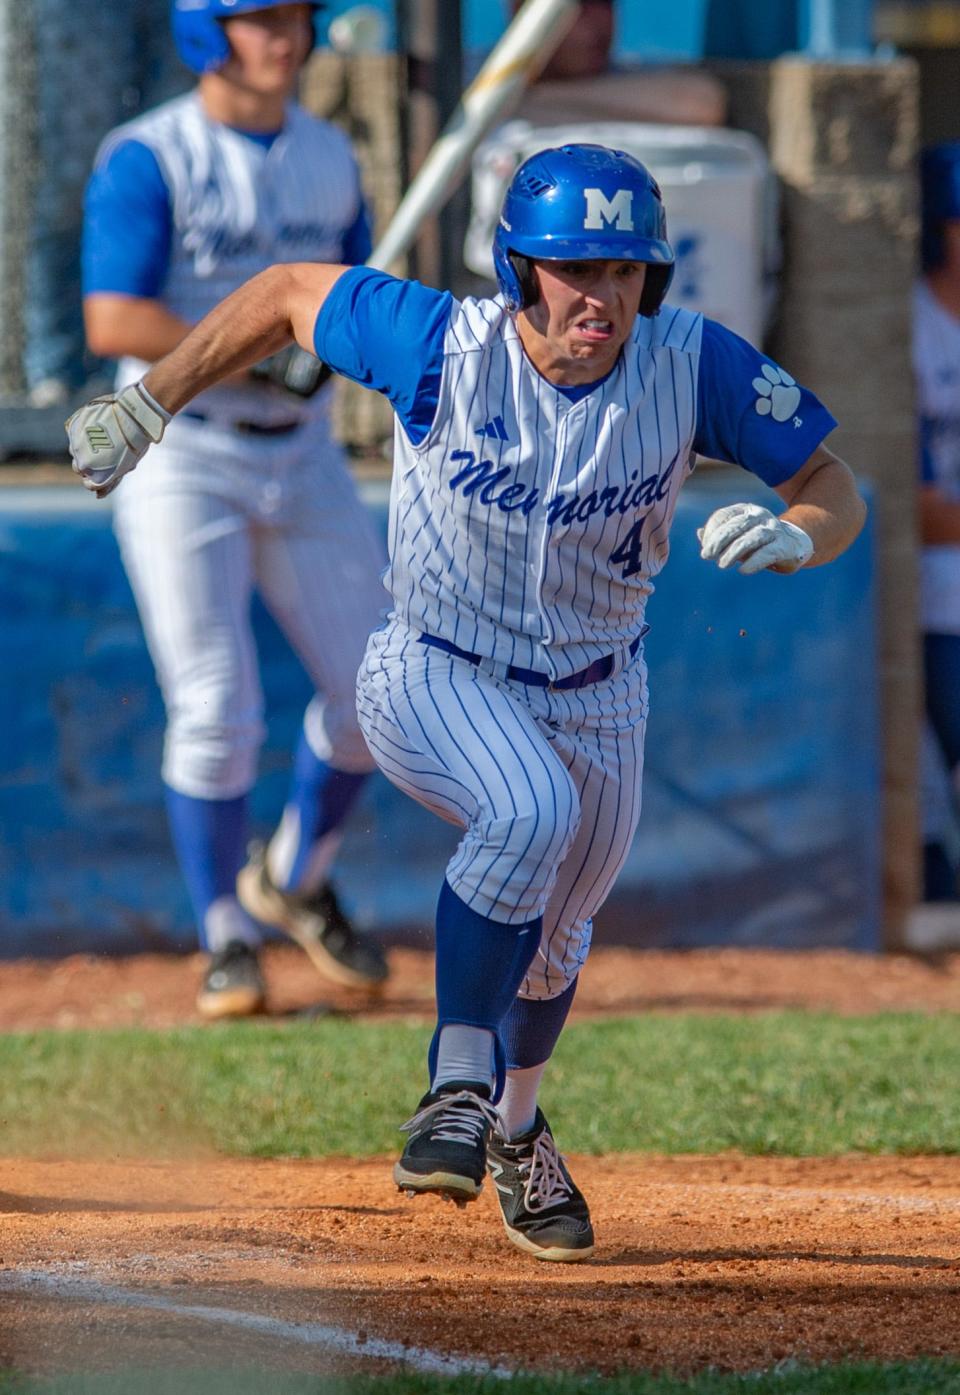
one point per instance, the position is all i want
(524, 48)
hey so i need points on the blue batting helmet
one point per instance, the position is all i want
(940, 189)
(199, 35)
(581, 203)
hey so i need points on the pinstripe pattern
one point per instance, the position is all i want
(545, 785)
(528, 528)
(208, 518)
(536, 541)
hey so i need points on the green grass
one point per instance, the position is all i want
(786, 1083)
(908, 1378)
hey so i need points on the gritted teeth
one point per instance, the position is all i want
(596, 324)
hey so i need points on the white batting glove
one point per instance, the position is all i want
(754, 537)
(109, 435)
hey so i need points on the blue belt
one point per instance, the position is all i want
(593, 673)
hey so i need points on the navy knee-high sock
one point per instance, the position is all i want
(480, 965)
(532, 1027)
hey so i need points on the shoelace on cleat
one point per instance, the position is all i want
(465, 1125)
(546, 1183)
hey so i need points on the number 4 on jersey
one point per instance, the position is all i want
(630, 551)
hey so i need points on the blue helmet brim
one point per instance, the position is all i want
(609, 246)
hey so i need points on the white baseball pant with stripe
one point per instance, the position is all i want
(210, 515)
(544, 783)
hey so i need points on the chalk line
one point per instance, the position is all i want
(317, 1334)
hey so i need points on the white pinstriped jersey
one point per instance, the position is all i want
(238, 208)
(527, 527)
(528, 521)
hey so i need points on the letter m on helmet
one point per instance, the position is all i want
(616, 212)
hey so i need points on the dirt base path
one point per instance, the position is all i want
(156, 990)
(322, 1266)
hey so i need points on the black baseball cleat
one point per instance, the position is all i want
(232, 983)
(544, 1211)
(317, 924)
(446, 1152)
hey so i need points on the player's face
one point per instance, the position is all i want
(269, 47)
(586, 310)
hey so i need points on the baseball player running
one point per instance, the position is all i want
(542, 439)
(185, 204)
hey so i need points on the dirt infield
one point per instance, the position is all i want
(322, 1266)
(154, 990)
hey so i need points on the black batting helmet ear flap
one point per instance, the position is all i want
(526, 279)
(655, 286)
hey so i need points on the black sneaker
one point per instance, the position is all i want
(446, 1152)
(543, 1209)
(317, 924)
(232, 984)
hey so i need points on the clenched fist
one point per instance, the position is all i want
(109, 435)
(754, 537)
(293, 369)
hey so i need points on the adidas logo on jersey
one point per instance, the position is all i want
(494, 429)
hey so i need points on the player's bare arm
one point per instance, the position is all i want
(111, 434)
(269, 311)
(824, 515)
(121, 325)
(822, 499)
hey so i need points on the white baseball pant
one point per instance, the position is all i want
(208, 516)
(545, 784)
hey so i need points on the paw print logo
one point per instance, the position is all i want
(779, 394)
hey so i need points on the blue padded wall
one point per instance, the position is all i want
(761, 800)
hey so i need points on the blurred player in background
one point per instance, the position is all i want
(248, 490)
(542, 440)
(936, 358)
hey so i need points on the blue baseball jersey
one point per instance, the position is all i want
(129, 222)
(184, 209)
(528, 521)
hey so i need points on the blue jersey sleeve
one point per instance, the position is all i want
(127, 224)
(750, 412)
(388, 335)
